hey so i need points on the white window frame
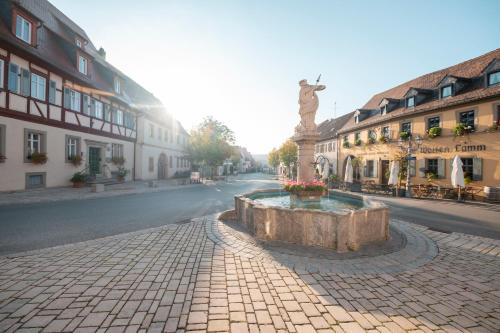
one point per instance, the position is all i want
(119, 117)
(24, 24)
(489, 76)
(2, 70)
(446, 87)
(82, 64)
(408, 104)
(117, 150)
(38, 86)
(72, 144)
(75, 100)
(34, 138)
(98, 110)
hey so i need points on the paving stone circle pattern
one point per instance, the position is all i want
(205, 275)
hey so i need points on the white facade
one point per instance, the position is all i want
(328, 149)
(160, 148)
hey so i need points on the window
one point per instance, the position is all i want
(432, 166)
(37, 86)
(82, 64)
(151, 131)
(25, 82)
(78, 43)
(370, 169)
(117, 85)
(406, 127)
(72, 99)
(467, 118)
(385, 132)
(107, 113)
(52, 92)
(97, 109)
(330, 147)
(72, 147)
(177, 160)
(13, 78)
(410, 102)
(118, 117)
(160, 133)
(433, 122)
(446, 91)
(356, 119)
(116, 150)
(357, 136)
(2, 141)
(493, 78)
(35, 180)
(372, 135)
(468, 167)
(1, 72)
(23, 29)
(165, 136)
(129, 120)
(151, 164)
(86, 105)
(34, 142)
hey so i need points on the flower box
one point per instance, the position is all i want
(306, 195)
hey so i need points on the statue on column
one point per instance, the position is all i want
(308, 105)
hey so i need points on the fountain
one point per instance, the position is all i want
(305, 215)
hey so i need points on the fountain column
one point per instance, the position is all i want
(305, 156)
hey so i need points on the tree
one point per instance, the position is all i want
(273, 158)
(211, 143)
(288, 154)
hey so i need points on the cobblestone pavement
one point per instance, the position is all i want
(200, 276)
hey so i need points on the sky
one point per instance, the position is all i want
(241, 61)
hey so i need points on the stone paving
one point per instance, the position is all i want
(201, 276)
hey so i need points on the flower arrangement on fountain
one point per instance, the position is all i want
(313, 188)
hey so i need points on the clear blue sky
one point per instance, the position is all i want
(241, 61)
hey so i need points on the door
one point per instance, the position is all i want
(94, 161)
(162, 166)
(386, 171)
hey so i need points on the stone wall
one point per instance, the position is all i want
(342, 231)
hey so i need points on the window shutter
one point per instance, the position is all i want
(375, 169)
(86, 104)
(25, 82)
(477, 168)
(421, 168)
(67, 98)
(52, 92)
(365, 168)
(441, 171)
(13, 77)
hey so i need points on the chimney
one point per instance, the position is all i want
(102, 53)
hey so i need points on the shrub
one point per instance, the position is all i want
(122, 172)
(467, 180)
(78, 177)
(382, 139)
(76, 160)
(434, 132)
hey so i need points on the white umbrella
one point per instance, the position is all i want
(326, 170)
(393, 177)
(348, 171)
(457, 174)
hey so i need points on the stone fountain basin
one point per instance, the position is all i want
(339, 230)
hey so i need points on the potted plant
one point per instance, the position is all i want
(358, 142)
(431, 176)
(76, 160)
(467, 180)
(461, 129)
(405, 135)
(434, 132)
(382, 139)
(118, 160)
(371, 140)
(121, 174)
(346, 144)
(2, 158)
(38, 158)
(78, 179)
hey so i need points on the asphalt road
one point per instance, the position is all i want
(33, 226)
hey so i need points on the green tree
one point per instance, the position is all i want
(273, 158)
(210, 144)
(288, 154)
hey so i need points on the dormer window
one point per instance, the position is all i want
(356, 119)
(82, 64)
(78, 43)
(446, 91)
(23, 29)
(494, 78)
(118, 86)
(410, 102)
(383, 110)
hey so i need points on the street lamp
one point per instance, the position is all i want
(410, 145)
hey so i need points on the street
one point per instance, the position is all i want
(34, 226)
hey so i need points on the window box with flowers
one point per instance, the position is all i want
(305, 190)
(358, 142)
(76, 160)
(405, 135)
(434, 132)
(462, 129)
(38, 158)
(346, 144)
(371, 140)
(118, 160)
(383, 139)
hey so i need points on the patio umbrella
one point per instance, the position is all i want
(457, 174)
(326, 170)
(348, 171)
(393, 177)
